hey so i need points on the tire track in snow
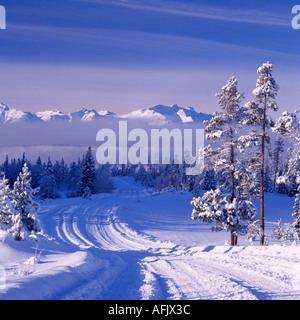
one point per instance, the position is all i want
(216, 277)
(169, 271)
(193, 281)
(265, 281)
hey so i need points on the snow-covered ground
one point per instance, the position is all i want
(135, 244)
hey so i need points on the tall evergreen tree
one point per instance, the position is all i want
(265, 94)
(296, 213)
(6, 208)
(288, 125)
(223, 128)
(23, 201)
(88, 175)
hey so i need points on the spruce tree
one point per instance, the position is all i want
(88, 175)
(17, 230)
(23, 201)
(6, 208)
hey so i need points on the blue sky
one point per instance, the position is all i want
(126, 54)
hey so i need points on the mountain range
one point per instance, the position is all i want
(159, 114)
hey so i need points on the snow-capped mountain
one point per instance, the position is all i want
(84, 115)
(8, 115)
(166, 114)
(53, 115)
(159, 114)
(106, 113)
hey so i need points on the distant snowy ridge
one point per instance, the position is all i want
(8, 115)
(53, 115)
(89, 115)
(173, 114)
(159, 114)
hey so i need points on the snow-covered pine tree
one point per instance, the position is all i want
(6, 208)
(296, 214)
(223, 129)
(23, 202)
(265, 94)
(223, 213)
(10, 220)
(278, 231)
(288, 125)
(17, 230)
(88, 175)
(231, 212)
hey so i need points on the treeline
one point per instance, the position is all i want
(58, 179)
(22, 183)
(277, 176)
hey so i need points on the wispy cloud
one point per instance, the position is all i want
(139, 41)
(211, 12)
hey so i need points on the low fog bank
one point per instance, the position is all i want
(67, 140)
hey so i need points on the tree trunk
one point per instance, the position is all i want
(232, 186)
(262, 171)
(233, 239)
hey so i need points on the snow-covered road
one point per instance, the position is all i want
(133, 244)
